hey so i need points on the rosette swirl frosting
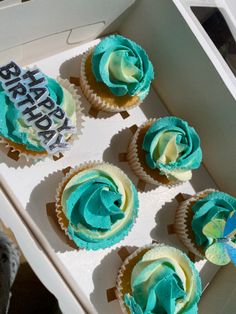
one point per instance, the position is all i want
(216, 205)
(100, 204)
(123, 66)
(164, 281)
(173, 147)
(12, 126)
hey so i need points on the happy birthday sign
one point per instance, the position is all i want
(28, 90)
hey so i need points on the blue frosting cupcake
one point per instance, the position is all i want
(116, 75)
(158, 279)
(206, 224)
(165, 151)
(96, 205)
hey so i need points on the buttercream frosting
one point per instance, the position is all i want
(173, 147)
(164, 281)
(100, 204)
(123, 66)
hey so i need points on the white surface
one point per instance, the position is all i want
(103, 139)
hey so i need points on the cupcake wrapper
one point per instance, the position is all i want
(59, 212)
(182, 219)
(92, 96)
(79, 124)
(133, 159)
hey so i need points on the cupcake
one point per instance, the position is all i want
(39, 116)
(165, 151)
(116, 74)
(158, 279)
(206, 224)
(96, 205)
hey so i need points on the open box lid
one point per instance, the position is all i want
(39, 28)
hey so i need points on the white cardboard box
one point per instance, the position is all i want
(79, 279)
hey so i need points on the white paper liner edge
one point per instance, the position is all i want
(181, 218)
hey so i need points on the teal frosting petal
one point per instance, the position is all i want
(11, 123)
(157, 288)
(99, 211)
(123, 66)
(96, 203)
(171, 144)
(215, 205)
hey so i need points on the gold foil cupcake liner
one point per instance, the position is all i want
(183, 222)
(95, 100)
(135, 163)
(62, 220)
(19, 150)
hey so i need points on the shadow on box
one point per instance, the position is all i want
(42, 194)
(104, 278)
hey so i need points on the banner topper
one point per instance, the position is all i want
(28, 90)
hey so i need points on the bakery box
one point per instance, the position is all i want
(194, 79)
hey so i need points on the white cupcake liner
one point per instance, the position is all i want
(182, 218)
(59, 212)
(79, 124)
(122, 269)
(133, 159)
(91, 94)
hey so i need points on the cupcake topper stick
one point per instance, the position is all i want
(223, 248)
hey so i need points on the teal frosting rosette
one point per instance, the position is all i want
(172, 147)
(99, 204)
(162, 281)
(123, 66)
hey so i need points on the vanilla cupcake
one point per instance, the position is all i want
(158, 279)
(40, 116)
(206, 224)
(116, 74)
(165, 151)
(96, 205)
